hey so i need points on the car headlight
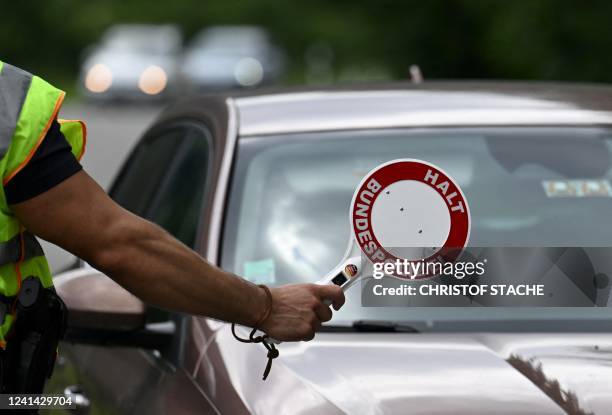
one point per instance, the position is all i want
(153, 80)
(99, 78)
(248, 72)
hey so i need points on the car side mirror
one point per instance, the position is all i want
(102, 312)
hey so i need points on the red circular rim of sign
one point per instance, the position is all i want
(410, 169)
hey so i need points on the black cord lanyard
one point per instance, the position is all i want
(272, 351)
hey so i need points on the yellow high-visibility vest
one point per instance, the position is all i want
(28, 106)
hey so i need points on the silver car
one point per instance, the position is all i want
(132, 62)
(260, 185)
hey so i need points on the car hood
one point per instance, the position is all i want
(366, 373)
(580, 363)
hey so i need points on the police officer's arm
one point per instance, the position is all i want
(79, 216)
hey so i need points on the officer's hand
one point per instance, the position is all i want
(298, 310)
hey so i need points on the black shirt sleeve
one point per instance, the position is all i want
(51, 164)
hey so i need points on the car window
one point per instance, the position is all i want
(165, 178)
(143, 172)
(176, 205)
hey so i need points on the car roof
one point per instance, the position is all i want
(441, 104)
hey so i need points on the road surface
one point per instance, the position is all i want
(112, 131)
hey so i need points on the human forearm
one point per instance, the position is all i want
(163, 272)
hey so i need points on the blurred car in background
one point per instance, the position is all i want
(260, 184)
(226, 57)
(132, 61)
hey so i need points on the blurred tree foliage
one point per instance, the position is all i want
(527, 39)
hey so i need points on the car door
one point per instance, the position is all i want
(164, 181)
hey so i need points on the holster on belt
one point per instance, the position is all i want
(32, 348)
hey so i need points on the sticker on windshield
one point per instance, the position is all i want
(577, 188)
(260, 272)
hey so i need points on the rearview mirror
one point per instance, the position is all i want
(100, 311)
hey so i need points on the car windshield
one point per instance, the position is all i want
(287, 218)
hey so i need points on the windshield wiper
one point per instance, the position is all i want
(382, 326)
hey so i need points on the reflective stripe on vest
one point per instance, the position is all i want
(11, 251)
(14, 85)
